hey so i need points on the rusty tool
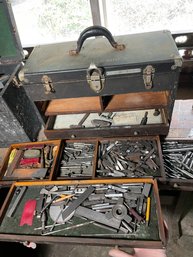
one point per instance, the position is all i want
(100, 123)
(134, 213)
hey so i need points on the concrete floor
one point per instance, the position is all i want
(178, 244)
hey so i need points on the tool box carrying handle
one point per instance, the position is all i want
(95, 31)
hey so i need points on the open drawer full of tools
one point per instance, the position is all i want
(124, 209)
(110, 157)
(83, 159)
(30, 161)
(178, 162)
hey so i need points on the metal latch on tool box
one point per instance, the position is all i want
(48, 84)
(95, 78)
(148, 74)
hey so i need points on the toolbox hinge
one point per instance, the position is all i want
(95, 78)
(48, 84)
(148, 74)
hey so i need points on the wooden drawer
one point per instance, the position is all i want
(101, 158)
(146, 113)
(148, 232)
(29, 161)
(178, 163)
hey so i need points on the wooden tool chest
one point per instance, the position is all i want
(109, 105)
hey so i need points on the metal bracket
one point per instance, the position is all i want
(177, 63)
(148, 74)
(16, 82)
(48, 84)
(95, 78)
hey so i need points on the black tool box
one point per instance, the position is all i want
(131, 63)
(18, 119)
(98, 90)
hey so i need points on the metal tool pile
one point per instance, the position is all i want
(120, 208)
(77, 160)
(178, 159)
(128, 159)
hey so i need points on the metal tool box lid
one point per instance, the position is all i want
(149, 47)
(11, 52)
